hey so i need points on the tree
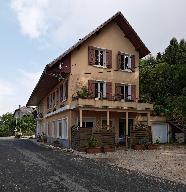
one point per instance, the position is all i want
(163, 80)
(7, 125)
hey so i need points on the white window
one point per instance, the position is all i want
(63, 91)
(126, 92)
(88, 122)
(54, 127)
(100, 89)
(63, 128)
(100, 55)
(125, 62)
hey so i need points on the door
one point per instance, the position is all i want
(122, 130)
(160, 132)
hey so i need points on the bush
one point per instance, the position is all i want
(93, 142)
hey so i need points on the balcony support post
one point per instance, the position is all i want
(127, 127)
(108, 121)
(81, 117)
(148, 119)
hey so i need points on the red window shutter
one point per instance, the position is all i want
(91, 88)
(91, 55)
(133, 65)
(133, 92)
(118, 91)
(109, 90)
(109, 58)
(118, 60)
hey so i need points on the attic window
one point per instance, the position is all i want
(125, 62)
(100, 55)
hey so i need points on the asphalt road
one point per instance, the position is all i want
(25, 166)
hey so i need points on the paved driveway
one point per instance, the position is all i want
(25, 166)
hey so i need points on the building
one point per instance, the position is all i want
(94, 84)
(23, 111)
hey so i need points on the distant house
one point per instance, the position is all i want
(22, 111)
(98, 86)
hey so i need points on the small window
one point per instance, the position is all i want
(87, 124)
(125, 62)
(100, 89)
(100, 55)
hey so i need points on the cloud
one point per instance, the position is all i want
(61, 23)
(17, 93)
(31, 16)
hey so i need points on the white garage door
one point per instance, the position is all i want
(160, 132)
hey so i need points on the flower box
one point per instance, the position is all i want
(139, 147)
(94, 150)
(152, 146)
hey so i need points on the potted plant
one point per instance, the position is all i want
(139, 145)
(83, 93)
(56, 143)
(44, 138)
(108, 149)
(93, 145)
(154, 146)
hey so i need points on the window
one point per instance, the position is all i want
(63, 128)
(100, 89)
(49, 129)
(54, 99)
(88, 122)
(126, 92)
(125, 62)
(60, 128)
(100, 57)
(63, 91)
(54, 132)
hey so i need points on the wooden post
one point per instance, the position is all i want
(127, 128)
(148, 119)
(108, 121)
(81, 117)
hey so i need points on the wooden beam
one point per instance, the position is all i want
(127, 127)
(148, 119)
(108, 121)
(81, 117)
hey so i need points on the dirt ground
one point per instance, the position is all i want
(169, 162)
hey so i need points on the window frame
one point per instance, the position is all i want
(129, 65)
(62, 121)
(88, 119)
(98, 95)
(104, 57)
(129, 96)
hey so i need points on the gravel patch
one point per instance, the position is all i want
(167, 163)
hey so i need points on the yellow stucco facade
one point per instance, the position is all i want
(111, 37)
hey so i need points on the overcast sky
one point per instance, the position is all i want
(34, 32)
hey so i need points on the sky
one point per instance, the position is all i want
(34, 32)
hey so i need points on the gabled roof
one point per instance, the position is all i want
(127, 29)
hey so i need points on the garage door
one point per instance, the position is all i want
(160, 132)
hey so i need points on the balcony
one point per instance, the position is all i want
(106, 104)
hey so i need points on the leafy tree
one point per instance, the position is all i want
(7, 124)
(163, 80)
